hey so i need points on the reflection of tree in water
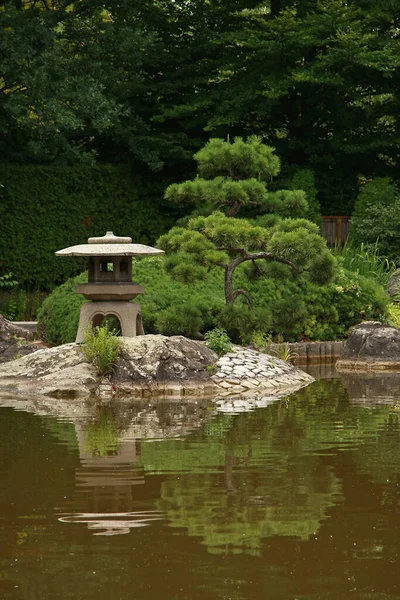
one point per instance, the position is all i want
(237, 521)
(271, 472)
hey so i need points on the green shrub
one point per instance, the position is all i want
(376, 218)
(394, 315)
(58, 317)
(218, 340)
(101, 348)
(261, 340)
(286, 306)
(168, 307)
(303, 179)
(240, 322)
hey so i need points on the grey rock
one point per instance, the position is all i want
(161, 358)
(371, 346)
(58, 372)
(392, 287)
(14, 341)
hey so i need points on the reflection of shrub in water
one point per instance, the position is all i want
(102, 435)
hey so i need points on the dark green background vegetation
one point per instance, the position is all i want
(46, 208)
(146, 83)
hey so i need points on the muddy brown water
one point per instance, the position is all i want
(295, 500)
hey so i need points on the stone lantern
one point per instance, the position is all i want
(110, 284)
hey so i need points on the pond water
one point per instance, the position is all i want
(297, 499)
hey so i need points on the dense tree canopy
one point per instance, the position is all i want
(147, 81)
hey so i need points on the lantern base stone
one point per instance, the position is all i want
(94, 313)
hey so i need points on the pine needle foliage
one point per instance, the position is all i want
(233, 178)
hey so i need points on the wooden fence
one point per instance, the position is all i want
(335, 229)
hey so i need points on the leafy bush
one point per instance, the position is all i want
(376, 218)
(101, 348)
(303, 179)
(218, 340)
(394, 315)
(168, 307)
(286, 306)
(240, 322)
(58, 317)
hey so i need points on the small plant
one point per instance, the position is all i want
(218, 340)
(101, 348)
(283, 352)
(261, 340)
(212, 369)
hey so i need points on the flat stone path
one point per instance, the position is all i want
(244, 370)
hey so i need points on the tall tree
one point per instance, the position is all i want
(319, 80)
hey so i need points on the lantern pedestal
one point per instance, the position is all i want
(94, 313)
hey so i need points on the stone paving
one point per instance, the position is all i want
(245, 371)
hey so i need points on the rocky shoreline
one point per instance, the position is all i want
(151, 366)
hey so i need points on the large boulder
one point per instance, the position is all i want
(371, 346)
(15, 341)
(148, 365)
(9, 331)
(62, 371)
(160, 364)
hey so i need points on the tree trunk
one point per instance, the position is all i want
(230, 295)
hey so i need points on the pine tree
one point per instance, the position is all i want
(233, 177)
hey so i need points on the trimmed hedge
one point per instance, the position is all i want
(46, 208)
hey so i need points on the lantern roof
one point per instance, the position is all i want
(109, 245)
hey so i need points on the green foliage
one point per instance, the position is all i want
(286, 305)
(376, 219)
(218, 340)
(101, 347)
(283, 352)
(318, 80)
(260, 340)
(178, 320)
(240, 322)
(19, 305)
(365, 260)
(240, 159)
(7, 281)
(232, 177)
(169, 307)
(394, 315)
(225, 242)
(304, 179)
(44, 209)
(58, 317)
